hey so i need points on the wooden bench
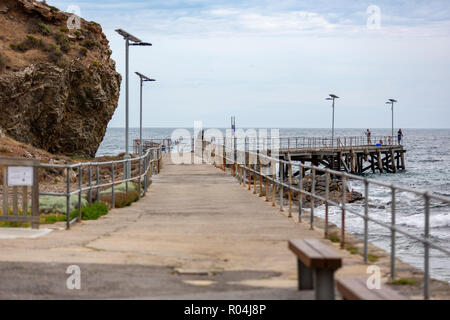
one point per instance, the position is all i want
(316, 264)
(356, 289)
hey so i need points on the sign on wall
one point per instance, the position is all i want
(20, 176)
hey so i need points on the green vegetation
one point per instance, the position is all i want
(49, 204)
(334, 237)
(405, 281)
(44, 29)
(54, 53)
(29, 43)
(89, 44)
(64, 29)
(121, 198)
(352, 249)
(77, 33)
(96, 63)
(372, 257)
(63, 41)
(95, 211)
(10, 224)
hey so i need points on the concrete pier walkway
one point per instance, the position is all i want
(197, 234)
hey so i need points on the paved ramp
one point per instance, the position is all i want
(197, 234)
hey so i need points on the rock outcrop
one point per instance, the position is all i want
(58, 86)
(334, 189)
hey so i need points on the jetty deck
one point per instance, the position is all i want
(198, 234)
(351, 159)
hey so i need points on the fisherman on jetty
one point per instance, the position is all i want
(368, 134)
(400, 136)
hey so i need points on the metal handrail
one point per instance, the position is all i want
(295, 143)
(222, 153)
(151, 165)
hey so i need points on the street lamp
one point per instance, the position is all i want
(391, 102)
(143, 79)
(134, 42)
(332, 97)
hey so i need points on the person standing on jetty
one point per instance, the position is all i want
(368, 134)
(400, 136)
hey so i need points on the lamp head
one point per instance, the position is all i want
(128, 36)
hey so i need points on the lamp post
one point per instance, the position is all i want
(134, 42)
(332, 97)
(143, 79)
(391, 102)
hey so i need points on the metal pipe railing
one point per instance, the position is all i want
(220, 154)
(152, 157)
(295, 143)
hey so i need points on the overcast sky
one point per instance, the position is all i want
(273, 63)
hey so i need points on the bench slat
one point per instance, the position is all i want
(330, 258)
(303, 251)
(356, 289)
(314, 254)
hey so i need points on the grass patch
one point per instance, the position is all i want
(44, 29)
(11, 224)
(334, 238)
(63, 41)
(89, 44)
(372, 258)
(64, 29)
(405, 282)
(93, 212)
(352, 249)
(28, 43)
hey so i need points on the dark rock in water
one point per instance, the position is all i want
(335, 191)
(57, 97)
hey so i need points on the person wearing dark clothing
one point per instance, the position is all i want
(400, 136)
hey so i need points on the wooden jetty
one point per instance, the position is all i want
(354, 159)
(355, 155)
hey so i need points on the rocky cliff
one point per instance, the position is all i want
(58, 86)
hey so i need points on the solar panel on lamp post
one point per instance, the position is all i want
(142, 80)
(134, 42)
(391, 102)
(333, 97)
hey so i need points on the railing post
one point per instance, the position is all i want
(80, 175)
(281, 169)
(393, 234)
(300, 200)
(312, 201)
(139, 170)
(327, 198)
(97, 169)
(113, 202)
(67, 198)
(90, 185)
(344, 199)
(366, 221)
(290, 188)
(426, 274)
